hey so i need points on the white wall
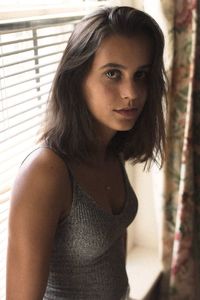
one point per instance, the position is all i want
(146, 228)
(135, 3)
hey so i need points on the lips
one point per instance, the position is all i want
(127, 112)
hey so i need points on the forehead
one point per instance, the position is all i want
(129, 51)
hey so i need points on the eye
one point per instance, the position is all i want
(140, 75)
(113, 74)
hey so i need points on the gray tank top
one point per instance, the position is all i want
(87, 261)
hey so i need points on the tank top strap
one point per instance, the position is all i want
(58, 154)
(71, 177)
(32, 151)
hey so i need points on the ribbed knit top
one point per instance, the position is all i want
(87, 261)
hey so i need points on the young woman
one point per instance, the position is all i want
(72, 202)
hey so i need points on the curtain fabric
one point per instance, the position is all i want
(196, 153)
(181, 222)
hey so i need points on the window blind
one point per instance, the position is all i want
(29, 54)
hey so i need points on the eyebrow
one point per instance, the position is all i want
(115, 65)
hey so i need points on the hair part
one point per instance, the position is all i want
(68, 127)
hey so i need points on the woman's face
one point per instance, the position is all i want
(115, 89)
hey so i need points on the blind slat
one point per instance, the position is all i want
(31, 49)
(20, 113)
(22, 131)
(28, 119)
(37, 86)
(30, 39)
(27, 80)
(35, 57)
(41, 22)
(14, 142)
(37, 67)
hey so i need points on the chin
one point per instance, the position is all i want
(125, 128)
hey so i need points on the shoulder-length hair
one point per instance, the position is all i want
(68, 127)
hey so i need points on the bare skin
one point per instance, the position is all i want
(37, 203)
(94, 178)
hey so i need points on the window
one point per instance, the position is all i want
(30, 49)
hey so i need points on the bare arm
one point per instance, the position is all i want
(36, 206)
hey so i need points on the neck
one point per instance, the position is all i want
(102, 156)
(103, 137)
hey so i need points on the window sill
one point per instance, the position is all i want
(144, 270)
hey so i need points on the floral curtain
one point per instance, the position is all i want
(181, 222)
(196, 151)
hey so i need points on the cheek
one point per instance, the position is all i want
(101, 93)
(110, 98)
(110, 93)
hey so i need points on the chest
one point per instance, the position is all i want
(106, 185)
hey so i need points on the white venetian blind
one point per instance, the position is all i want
(29, 54)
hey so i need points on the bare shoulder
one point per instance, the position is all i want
(42, 179)
(40, 195)
(44, 160)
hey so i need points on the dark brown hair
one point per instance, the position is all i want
(69, 127)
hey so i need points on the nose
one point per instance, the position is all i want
(129, 90)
